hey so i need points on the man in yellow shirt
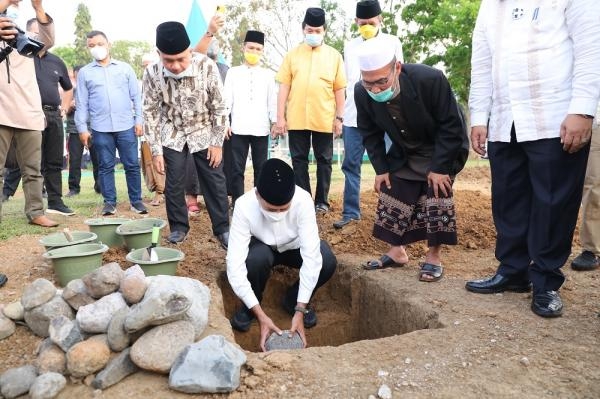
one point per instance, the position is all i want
(311, 83)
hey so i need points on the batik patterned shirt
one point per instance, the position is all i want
(190, 110)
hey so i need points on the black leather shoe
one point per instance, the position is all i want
(585, 261)
(223, 239)
(497, 283)
(242, 319)
(344, 222)
(547, 304)
(176, 237)
(3, 279)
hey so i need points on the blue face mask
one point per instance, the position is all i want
(384, 95)
(313, 39)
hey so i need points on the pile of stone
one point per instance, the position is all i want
(109, 324)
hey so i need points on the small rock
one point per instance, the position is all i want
(118, 338)
(97, 393)
(14, 311)
(407, 360)
(87, 357)
(382, 373)
(76, 294)
(95, 317)
(47, 386)
(210, 365)
(134, 284)
(17, 381)
(457, 322)
(372, 397)
(428, 366)
(64, 332)
(38, 318)
(384, 392)
(87, 381)
(50, 358)
(104, 280)
(37, 293)
(7, 327)
(118, 368)
(524, 361)
(157, 349)
(404, 383)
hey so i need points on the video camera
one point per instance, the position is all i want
(25, 45)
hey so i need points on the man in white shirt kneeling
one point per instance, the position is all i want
(275, 224)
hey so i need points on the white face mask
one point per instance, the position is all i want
(99, 52)
(273, 216)
(185, 73)
(12, 12)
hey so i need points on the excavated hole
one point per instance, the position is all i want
(349, 308)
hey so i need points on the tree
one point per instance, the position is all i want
(439, 33)
(83, 25)
(67, 54)
(130, 52)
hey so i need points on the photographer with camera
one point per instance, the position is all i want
(22, 118)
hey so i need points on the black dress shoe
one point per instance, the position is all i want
(242, 319)
(176, 237)
(497, 283)
(223, 239)
(547, 304)
(585, 261)
(310, 317)
(3, 279)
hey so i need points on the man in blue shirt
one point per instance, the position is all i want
(107, 91)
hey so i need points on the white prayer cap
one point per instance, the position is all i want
(374, 54)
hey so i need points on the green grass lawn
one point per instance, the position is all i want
(88, 204)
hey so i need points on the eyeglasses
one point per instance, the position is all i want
(380, 82)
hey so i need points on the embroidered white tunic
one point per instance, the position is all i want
(534, 62)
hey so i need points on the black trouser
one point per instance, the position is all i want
(75, 157)
(212, 183)
(53, 143)
(322, 144)
(239, 154)
(261, 259)
(227, 164)
(536, 193)
(12, 177)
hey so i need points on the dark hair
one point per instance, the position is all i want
(304, 25)
(95, 33)
(29, 23)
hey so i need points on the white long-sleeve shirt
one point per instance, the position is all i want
(533, 63)
(351, 49)
(251, 98)
(298, 229)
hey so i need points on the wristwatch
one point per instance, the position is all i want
(340, 118)
(301, 309)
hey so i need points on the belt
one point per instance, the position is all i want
(50, 107)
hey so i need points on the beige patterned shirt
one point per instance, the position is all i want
(190, 110)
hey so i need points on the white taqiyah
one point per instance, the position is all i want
(374, 54)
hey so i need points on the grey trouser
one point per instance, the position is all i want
(28, 145)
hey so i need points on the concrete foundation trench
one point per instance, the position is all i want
(350, 307)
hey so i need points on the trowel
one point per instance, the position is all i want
(150, 253)
(68, 234)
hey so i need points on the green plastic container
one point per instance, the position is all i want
(138, 233)
(168, 259)
(59, 240)
(75, 261)
(106, 230)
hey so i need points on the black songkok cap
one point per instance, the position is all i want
(255, 36)
(171, 38)
(314, 17)
(367, 9)
(276, 182)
